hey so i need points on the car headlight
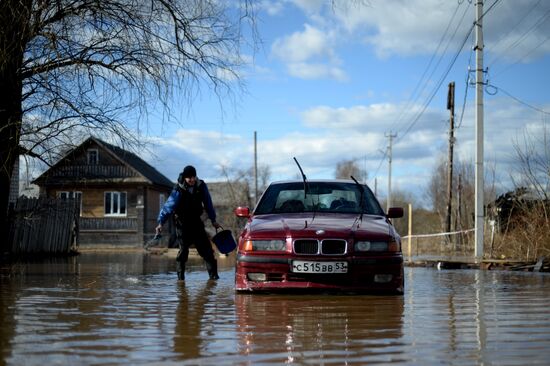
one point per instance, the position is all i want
(376, 246)
(265, 245)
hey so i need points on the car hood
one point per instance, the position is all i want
(305, 225)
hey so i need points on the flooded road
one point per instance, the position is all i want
(128, 308)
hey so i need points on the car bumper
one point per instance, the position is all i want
(371, 274)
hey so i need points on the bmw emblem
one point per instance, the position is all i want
(320, 232)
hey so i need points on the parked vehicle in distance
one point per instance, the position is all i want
(320, 234)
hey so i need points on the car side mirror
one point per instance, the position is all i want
(242, 211)
(395, 212)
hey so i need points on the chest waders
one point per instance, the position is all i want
(190, 230)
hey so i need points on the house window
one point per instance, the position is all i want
(93, 157)
(115, 203)
(162, 200)
(71, 195)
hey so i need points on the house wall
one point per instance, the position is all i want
(93, 207)
(93, 199)
(151, 212)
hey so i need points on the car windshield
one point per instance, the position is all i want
(336, 197)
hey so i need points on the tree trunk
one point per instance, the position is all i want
(14, 17)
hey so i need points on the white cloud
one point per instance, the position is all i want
(358, 132)
(310, 6)
(303, 46)
(271, 7)
(354, 117)
(379, 117)
(517, 31)
(316, 71)
(309, 54)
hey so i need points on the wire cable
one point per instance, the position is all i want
(445, 74)
(498, 89)
(416, 93)
(524, 57)
(503, 37)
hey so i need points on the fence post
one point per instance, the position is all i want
(141, 225)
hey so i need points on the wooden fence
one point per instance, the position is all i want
(44, 225)
(109, 224)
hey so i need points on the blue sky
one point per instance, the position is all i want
(330, 82)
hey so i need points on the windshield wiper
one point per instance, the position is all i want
(303, 178)
(306, 189)
(362, 190)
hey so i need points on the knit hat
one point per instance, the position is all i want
(189, 171)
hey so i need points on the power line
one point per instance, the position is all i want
(414, 96)
(440, 82)
(503, 37)
(467, 86)
(498, 89)
(446, 73)
(518, 41)
(526, 55)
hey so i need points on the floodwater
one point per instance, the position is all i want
(128, 308)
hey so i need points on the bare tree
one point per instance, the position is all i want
(462, 216)
(347, 168)
(463, 185)
(240, 188)
(526, 220)
(533, 158)
(72, 67)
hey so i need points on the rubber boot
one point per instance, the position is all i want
(180, 268)
(212, 268)
(181, 276)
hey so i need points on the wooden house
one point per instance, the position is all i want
(120, 194)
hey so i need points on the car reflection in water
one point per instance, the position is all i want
(330, 328)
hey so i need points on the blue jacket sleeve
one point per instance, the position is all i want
(169, 206)
(207, 202)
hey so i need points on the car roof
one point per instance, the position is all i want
(315, 181)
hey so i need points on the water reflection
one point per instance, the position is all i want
(190, 317)
(329, 328)
(127, 308)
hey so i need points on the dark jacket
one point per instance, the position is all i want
(188, 203)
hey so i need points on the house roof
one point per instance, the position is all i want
(145, 169)
(142, 168)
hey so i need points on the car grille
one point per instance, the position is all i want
(331, 247)
(306, 246)
(325, 247)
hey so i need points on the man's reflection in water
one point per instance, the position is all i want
(189, 316)
(352, 325)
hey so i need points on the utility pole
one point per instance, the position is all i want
(451, 108)
(390, 137)
(479, 179)
(255, 167)
(458, 223)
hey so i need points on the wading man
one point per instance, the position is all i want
(188, 200)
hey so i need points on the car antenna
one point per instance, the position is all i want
(362, 189)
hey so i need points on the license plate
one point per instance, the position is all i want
(319, 267)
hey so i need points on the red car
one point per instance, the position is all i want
(321, 234)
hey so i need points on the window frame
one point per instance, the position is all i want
(89, 155)
(114, 204)
(71, 195)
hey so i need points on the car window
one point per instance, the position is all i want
(321, 197)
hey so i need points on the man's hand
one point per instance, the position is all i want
(158, 229)
(216, 225)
